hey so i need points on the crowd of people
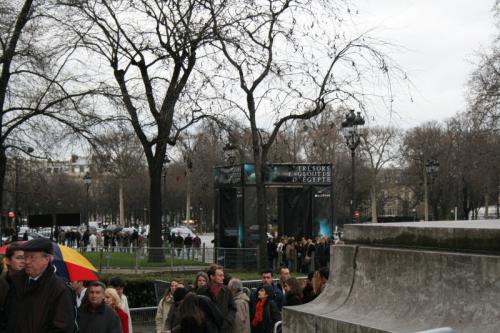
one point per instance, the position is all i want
(302, 254)
(34, 299)
(216, 302)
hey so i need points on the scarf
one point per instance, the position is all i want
(259, 312)
(215, 289)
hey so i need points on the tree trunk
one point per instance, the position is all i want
(261, 215)
(156, 253)
(122, 205)
(486, 204)
(3, 168)
(373, 198)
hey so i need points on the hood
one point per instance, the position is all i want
(241, 296)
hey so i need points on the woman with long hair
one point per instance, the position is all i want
(165, 304)
(293, 292)
(112, 299)
(198, 314)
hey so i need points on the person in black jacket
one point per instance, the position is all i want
(266, 312)
(198, 314)
(293, 292)
(95, 316)
(221, 296)
(38, 300)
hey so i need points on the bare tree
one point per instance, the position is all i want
(37, 91)
(378, 145)
(151, 48)
(290, 70)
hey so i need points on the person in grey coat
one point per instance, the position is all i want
(95, 316)
(242, 302)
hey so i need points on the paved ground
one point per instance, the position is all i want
(144, 328)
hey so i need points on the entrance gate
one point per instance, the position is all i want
(304, 201)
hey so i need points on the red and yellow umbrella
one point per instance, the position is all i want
(70, 265)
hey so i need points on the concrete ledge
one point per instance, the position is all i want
(379, 290)
(462, 236)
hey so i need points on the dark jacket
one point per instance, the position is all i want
(271, 315)
(277, 296)
(44, 306)
(103, 320)
(212, 319)
(225, 304)
(293, 300)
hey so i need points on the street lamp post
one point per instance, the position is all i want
(87, 180)
(431, 170)
(351, 127)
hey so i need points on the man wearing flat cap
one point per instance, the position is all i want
(39, 301)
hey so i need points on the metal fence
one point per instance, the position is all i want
(176, 258)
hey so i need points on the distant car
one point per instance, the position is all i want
(183, 231)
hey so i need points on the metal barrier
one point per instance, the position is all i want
(175, 257)
(143, 315)
(277, 327)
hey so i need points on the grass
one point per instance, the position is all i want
(129, 260)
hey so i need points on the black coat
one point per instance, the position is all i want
(225, 304)
(270, 316)
(44, 306)
(212, 319)
(103, 320)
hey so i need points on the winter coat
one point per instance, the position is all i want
(242, 318)
(211, 324)
(45, 305)
(271, 315)
(225, 304)
(277, 296)
(103, 320)
(162, 313)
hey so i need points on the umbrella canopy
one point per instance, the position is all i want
(70, 265)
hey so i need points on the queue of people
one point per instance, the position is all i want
(34, 299)
(215, 302)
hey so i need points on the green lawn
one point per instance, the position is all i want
(128, 260)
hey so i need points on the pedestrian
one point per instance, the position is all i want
(95, 316)
(293, 292)
(201, 280)
(242, 303)
(93, 242)
(173, 318)
(118, 284)
(14, 262)
(284, 274)
(188, 243)
(79, 290)
(112, 299)
(198, 314)
(178, 243)
(165, 304)
(319, 280)
(267, 280)
(266, 312)
(36, 290)
(221, 296)
(196, 245)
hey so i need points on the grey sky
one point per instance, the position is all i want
(439, 39)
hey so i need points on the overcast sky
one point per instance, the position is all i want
(440, 38)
